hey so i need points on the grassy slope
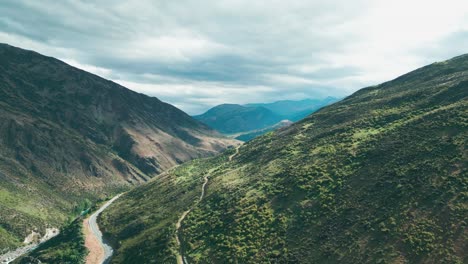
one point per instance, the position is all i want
(379, 177)
(253, 134)
(153, 221)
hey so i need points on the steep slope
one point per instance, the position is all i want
(68, 137)
(232, 118)
(380, 177)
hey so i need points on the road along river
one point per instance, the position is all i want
(99, 251)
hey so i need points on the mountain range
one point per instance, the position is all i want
(295, 110)
(379, 177)
(245, 122)
(68, 138)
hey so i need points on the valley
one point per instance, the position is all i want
(378, 176)
(70, 139)
(233, 132)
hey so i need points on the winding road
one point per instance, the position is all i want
(235, 153)
(99, 251)
(181, 259)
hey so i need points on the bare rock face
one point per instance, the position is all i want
(67, 135)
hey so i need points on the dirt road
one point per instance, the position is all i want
(99, 251)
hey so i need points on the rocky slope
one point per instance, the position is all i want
(380, 177)
(68, 137)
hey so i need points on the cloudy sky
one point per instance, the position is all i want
(196, 54)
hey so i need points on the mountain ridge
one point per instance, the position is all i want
(295, 110)
(379, 177)
(234, 118)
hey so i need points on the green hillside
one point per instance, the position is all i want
(380, 177)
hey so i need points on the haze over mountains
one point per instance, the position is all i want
(245, 122)
(379, 177)
(68, 137)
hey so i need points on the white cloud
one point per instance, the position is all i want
(285, 79)
(195, 97)
(170, 49)
(196, 55)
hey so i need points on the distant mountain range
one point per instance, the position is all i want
(247, 121)
(68, 137)
(295, 110)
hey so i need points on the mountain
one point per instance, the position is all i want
(245, 122)
(68, 137)
(379, 177)
(295, 110)
(233, 118)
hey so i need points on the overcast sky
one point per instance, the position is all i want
(196, 54)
